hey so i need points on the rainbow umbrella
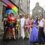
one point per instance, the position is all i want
(9, 11)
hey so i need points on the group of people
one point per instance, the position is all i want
(24, 26)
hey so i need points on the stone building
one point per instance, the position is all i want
(44, 14)
(1, 8)
(37, 11)
(24, 5)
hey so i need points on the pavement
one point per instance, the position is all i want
(16, 42)
(13, 42)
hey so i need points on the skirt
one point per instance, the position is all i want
(41, 35)
(34, 35)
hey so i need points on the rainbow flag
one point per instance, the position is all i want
(10, 5)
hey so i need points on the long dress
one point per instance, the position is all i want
(34, 34)
(22, 28)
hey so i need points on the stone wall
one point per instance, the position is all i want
(23, 4)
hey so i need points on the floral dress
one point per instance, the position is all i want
(28, 25)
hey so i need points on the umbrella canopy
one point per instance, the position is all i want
(9, 11)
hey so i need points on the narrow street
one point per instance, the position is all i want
(15, 42)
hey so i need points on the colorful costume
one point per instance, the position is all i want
(28, 25)
(11, 25)
(18, 28)
(34, 33)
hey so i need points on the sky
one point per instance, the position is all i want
(33, 3)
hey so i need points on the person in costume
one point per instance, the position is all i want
(27, 26)
(5, 24)
(41, 31)
(5, 28)
(11, 26)
(22, 26)
(18, 27)
(31, 23)
(44, 30)
(34, 33)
